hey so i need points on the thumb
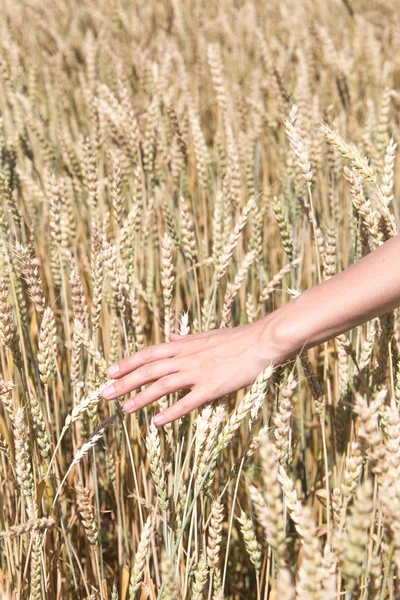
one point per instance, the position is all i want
(174, 336)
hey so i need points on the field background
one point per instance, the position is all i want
(176, 166)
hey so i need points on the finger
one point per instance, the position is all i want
(193, 400)
(175, 337)
(166, 385)
(137, 378)
(146, 355)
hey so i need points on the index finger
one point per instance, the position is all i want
(142, 357)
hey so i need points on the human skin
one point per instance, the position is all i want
(220, 361)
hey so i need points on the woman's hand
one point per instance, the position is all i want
(221, 361)
(209, 364)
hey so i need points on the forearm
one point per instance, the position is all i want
(365, 290)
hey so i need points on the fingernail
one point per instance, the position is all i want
(159, 419)
(128, 406)
(113, 370)
(108, 391)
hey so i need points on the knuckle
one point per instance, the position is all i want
(147, 353)
(182, 406)
(165, 384)
(120, 387)
(148, 371)
(129, 362)
(140, 400)
(188, 336)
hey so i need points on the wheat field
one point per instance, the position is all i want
(171, 167)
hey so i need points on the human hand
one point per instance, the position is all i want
(209, 364)
(221, 361)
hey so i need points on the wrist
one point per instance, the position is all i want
(279, 338)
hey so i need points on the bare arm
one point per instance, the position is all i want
(221, 361)
(363, 291)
